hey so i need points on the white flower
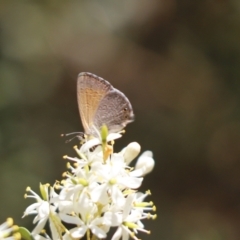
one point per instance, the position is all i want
(128, 220)
(114, 178)
(44, 211)
(75, 184)
(90, 219)
(7, 230)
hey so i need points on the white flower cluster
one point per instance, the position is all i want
(98, 192)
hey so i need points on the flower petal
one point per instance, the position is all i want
(79, 232)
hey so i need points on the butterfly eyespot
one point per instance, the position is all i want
(125, 109)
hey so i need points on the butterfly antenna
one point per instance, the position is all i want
(79, 135)
(68, 134)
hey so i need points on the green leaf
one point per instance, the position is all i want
(25, 234)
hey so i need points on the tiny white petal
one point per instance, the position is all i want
(54, 231)
(43, 209)
(113, 136)
(131, 182)
(113, 219)
(89, 144)
(117, 235)
(100, 194)
(66, 236)
(117, 195)
(125, 233)
(70, 219)
(79, 231)
(31, 209)
(39, 227)
(128, 205)
(65, 206)
(98, 232)
(140, 224)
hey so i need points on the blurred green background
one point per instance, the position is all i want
(178, 62)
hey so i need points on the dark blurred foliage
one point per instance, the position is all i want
(178, 61)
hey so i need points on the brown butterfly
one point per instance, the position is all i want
(101, 104)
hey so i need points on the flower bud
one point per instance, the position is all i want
(145, 162)
(131, 151)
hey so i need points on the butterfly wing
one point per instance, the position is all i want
(114, 110)
(91, 89)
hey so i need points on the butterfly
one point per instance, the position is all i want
(101, 104)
